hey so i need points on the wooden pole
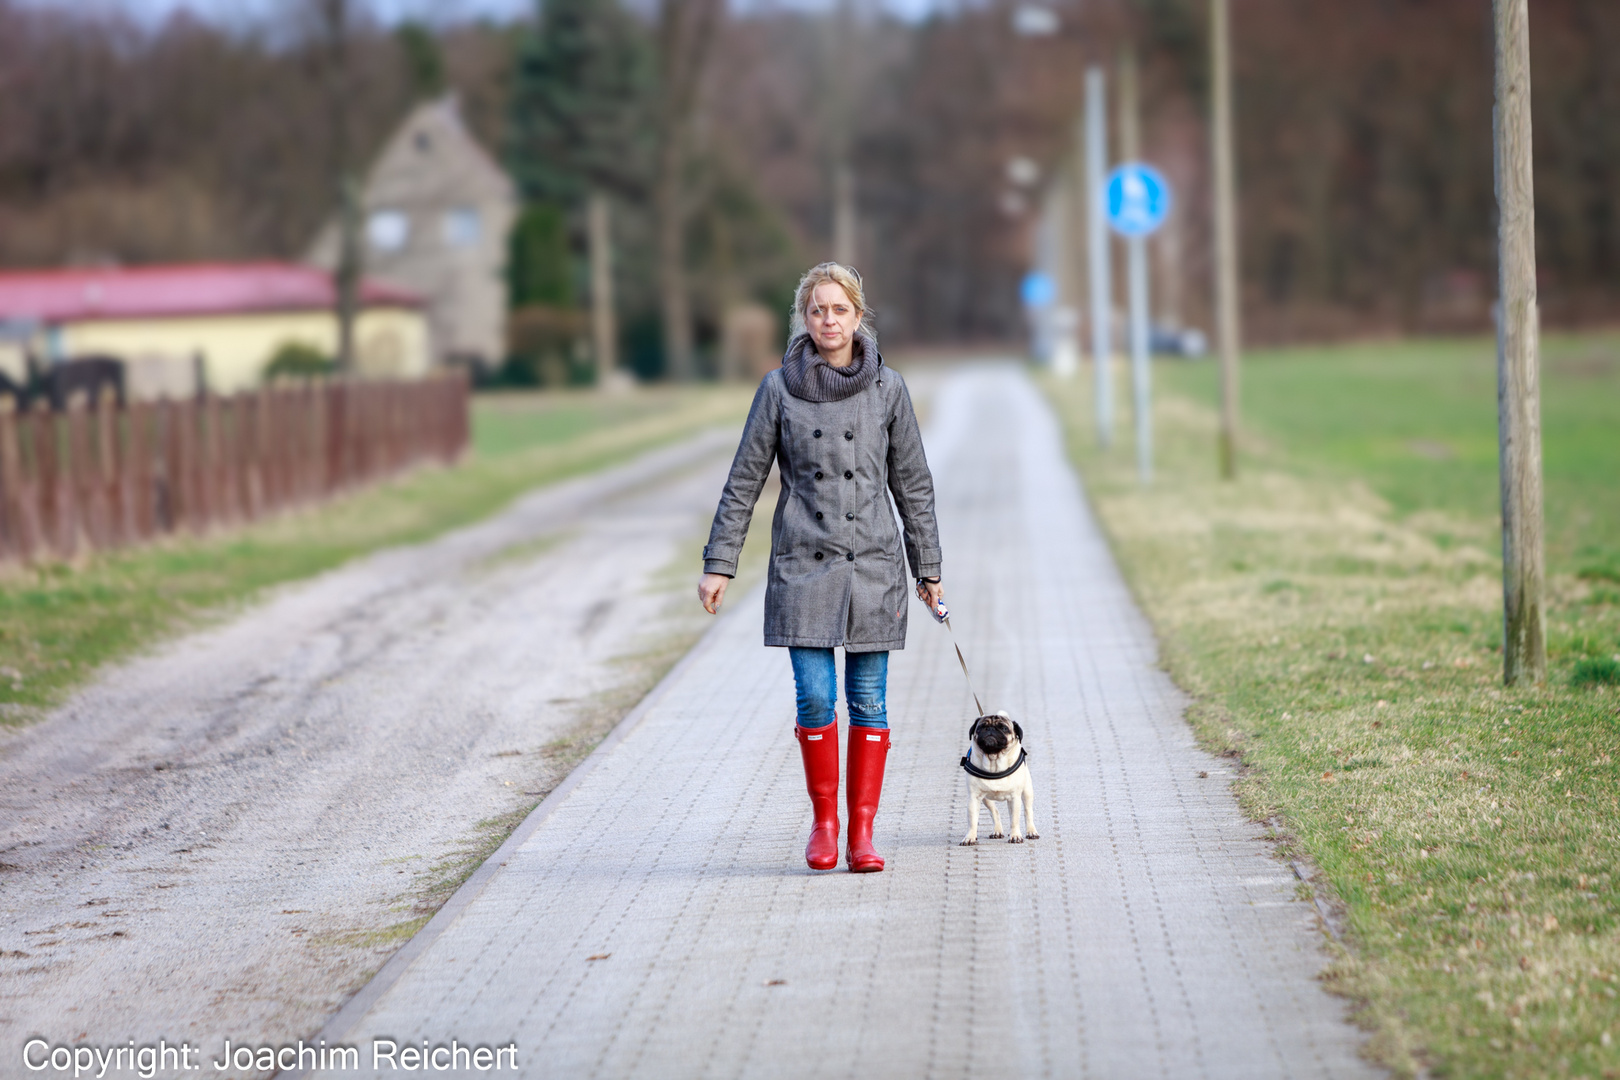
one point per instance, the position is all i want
(1227, 330)
(1518, 394)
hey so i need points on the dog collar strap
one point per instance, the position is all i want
(974, 770)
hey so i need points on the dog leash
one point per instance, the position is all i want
(943, 614)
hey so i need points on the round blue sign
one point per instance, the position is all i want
(1038, 289)
(1138, 199)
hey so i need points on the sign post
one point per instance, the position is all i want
(1138, 201)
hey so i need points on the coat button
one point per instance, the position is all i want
(818, 556)
(818, 476)
(818, 433)
(849, 434)
(847, 517)
(850, 556)
(818, 515)
(848, 475)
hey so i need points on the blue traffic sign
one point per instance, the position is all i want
(1138, 199)
(1038, 289)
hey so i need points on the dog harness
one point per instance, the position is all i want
(974, 770)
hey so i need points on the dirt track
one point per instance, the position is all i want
(224, 838)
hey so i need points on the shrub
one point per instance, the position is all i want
(298, 360)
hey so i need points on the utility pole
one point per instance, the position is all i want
(1227, 330)
(604, 332)
(1518, 392)
(1102, 345)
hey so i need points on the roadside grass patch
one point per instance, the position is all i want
(59, 622)
(1596, 671)
(1470, 834)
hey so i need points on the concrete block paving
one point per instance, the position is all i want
(656, 919)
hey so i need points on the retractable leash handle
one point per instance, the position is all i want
(942, 614)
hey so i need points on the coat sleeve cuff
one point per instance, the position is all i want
(727, 567)
(927, 566)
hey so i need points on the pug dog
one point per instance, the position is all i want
(998, 772)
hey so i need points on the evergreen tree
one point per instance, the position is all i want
(539, 266)
(581, 103)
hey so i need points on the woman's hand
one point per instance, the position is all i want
(931, 593)
(712, 590)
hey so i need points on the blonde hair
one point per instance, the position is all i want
(847, 278)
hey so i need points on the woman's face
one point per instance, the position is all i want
(831, 317)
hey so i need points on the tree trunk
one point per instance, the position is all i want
(686, 30)
(334, 15)
(604, 326)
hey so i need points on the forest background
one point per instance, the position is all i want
(1364, 152)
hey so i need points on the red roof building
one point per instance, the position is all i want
(226, 319)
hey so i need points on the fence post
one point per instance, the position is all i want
(56, 516)
(108, 456)
(15, 541)
(135, 472)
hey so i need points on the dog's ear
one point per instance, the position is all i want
(973, 729)
(1018, 731)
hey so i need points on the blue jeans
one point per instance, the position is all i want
(866, 678)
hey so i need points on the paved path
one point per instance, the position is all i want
(227, 837)
(655, 918)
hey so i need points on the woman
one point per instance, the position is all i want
(842, 426)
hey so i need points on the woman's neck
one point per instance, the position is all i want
(839, 358)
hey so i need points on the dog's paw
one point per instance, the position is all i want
(968, 843)
(997, 835)
(1015, 840)
(1033, 836)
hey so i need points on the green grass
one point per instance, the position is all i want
(60, 622)
(1335, 614)
(1417, 421)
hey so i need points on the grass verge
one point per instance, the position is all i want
(60, 622)
(1335, 613)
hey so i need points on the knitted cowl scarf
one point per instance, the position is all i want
(810, 378)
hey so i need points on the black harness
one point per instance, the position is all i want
(974, 770)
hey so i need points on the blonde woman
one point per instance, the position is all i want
(843, 429)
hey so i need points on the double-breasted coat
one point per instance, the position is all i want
(837, 575)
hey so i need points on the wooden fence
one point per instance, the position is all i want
(100, 476)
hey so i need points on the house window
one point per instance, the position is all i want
(461, 226)
(387, 230)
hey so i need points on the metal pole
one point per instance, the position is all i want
(1226, 256)
(1097, 242)
(1518, 394)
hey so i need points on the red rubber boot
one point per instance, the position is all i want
(819, 747)
(868, 751)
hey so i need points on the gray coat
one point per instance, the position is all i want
(836, 575)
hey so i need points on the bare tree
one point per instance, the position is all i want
(686, 30)
(335, 24)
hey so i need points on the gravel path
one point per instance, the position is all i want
(226, 838)
(654, 918)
